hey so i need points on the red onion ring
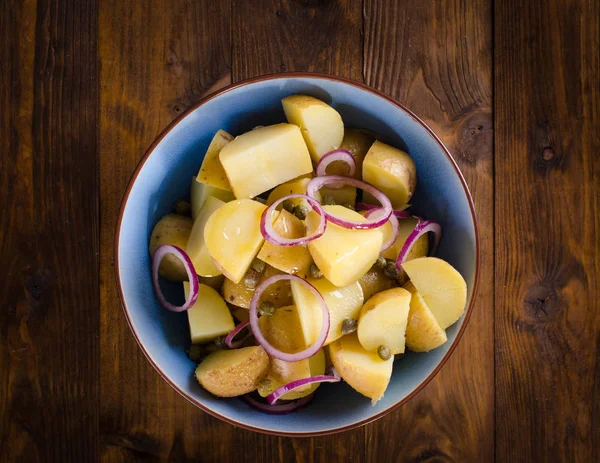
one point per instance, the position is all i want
(277, 393)
(333, 156)
(422, 227)
(395, 230)
(269, 233)
(370, 207)
(386, 206)
(229, 338)
(272, 351)
(157, 258)
(278, 409)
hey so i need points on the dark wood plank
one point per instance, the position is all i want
(547, 63)
(309, 35)
(157, 58)
(435, 57)
(48, 231)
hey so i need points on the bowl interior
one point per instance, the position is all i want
(165, 177)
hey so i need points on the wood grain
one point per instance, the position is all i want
(48, 231)
(435, 57)
(157, 58)
(547, 63)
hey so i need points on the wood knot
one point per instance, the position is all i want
(542, 303)
(475, 136)
(547, 153)
(38, 284)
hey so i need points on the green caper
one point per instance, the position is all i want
(289, 205)
(301, 211)
(220, 342)
(349, 325)
(380, 263)
(266, 309)
(328, 201)
(212, 347)
(265, 386)
(251, 279)
(196, 353)
(258, 266)
(391, 271)
(315, 271)
(182, 207)
(384, 352)
(349, 206)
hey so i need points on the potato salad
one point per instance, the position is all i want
(301, 263)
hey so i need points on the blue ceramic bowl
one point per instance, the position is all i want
(163, 176)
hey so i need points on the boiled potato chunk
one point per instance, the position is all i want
(358, 143)
(321, 125)
(232, 236)
(392, 171)
(364, 371)
(289, 259)
(175, 230)
(342, 303)
(343, 255)
(211, 172)
(279, 293)
(239, 313)
(196, 245)
(383, 321)
(444, 290)
(282, 330)
(230, 373)
(374, 281)
(264, 158)
(282, 373)
(199, 192)
(423, 332)
(343, 196)
(293, 187)
(209, 317)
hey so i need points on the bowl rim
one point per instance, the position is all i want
(309, 75)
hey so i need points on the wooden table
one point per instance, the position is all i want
(513, 89)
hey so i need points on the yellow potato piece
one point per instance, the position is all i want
(175, 230)
(423, 332)
(343, 196)
(444, 290)
(209, 317)
(264, 158)
(295, 260)
(295, 187)
(342, 303)
(279, 293)
(357, 142)
(199, 192)
(211, 172)
(364, 371)
(282, 330)
(375, 281)
(232, 236)
(383, 321)
(392, 171)
(230, 373)
(322, 126)
(343, 255)
(196, 246)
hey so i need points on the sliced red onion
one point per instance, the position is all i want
(272, 351)
(331, 371)
(157, 258)
(333, 156)
(395, 230)
(278, 409)
(422, 227)
(269, 233)
(229, 338)
(277, 393)
(385, 209)
(370, 207)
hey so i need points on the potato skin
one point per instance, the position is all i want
(173, 229)
(227, 379)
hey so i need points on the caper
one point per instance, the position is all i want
(301, 211)
(265, 386)
(266, 309)
(182, 207)
(212, 347)
(328, 201)
(315, 271)
(258, 266)
(289, 205)
(391, 271)
(349, 325)
(251, 279)
(220, 342)
(196, 353)
(384, 352)
(380, 263)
